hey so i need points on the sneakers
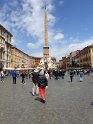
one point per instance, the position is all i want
(37, 94)
(24, 83)
(43, 101)
(32, 94)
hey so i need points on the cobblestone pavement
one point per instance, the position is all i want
(66, 102)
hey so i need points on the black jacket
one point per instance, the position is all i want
(23, 75)
(71, 74)
(35, 77)
(42, 81)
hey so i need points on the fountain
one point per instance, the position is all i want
(47, 63)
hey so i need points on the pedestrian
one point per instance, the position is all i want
(35, 78)
(14, 75)
(71, 75)
(62, 74)
(56, 74)
(23, 77)
(81, 74)
(46, 75)
(91, 72)
(42, 84)
(50, 75)
(2, 76)
(29, 75)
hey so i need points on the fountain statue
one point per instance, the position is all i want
(47, 63)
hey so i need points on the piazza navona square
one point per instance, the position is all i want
(46, 62)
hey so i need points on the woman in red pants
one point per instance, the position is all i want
(43, 84)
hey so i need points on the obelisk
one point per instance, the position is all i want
(45, 48)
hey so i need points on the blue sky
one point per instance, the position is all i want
(69, 25)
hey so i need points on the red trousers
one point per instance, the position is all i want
(42, 92)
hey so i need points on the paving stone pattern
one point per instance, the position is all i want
(66, 102)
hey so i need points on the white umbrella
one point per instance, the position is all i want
(8, 68)
(18, 69)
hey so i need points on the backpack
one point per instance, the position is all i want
(43, 82)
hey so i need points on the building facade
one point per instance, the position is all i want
(5, 48)
(86, 57)
(35, 61)
(79, 58)
(63, 63)
(20, 59)
(54, 60)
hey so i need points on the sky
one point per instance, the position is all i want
(70, 25)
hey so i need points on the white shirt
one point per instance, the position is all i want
(47, 76)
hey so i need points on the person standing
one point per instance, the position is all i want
(35, 77)
(14, 75)
(42, 84)
(71, 75)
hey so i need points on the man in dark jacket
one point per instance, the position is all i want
(71, 75)
(23, 77)
(35, 76)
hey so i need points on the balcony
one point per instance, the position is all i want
(2, 36)
(2, 47)
(2, 44)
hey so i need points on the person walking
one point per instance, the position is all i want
(56, 74)
(81, 74)
(14, 75)
(46, 75)
(23, 77)
(42, 84)
(2, 76)
(71, 75)
(35, 78)
(62, 74)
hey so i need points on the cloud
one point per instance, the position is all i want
(31, 45)
(61, 2)
(59, 36)
(27, 17)
(38, 54)
(13, 42)
(66, 47)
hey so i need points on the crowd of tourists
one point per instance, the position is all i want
(40, 78)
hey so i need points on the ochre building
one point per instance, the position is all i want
(86, 57)
(19, 59)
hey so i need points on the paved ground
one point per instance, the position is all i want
(67, 103)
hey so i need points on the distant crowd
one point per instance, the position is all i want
(40, 78)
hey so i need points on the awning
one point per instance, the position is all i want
(8, 68)
(18, 69)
